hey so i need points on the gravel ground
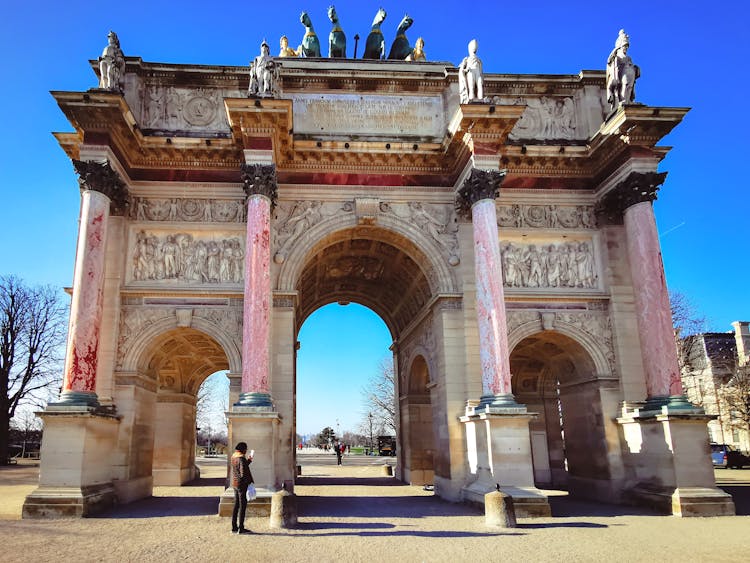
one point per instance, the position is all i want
(352, 513)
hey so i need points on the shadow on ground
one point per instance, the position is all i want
(155, 507)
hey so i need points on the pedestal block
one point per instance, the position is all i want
(499, 451)
(258, 427)
(669, 463)
(79, 482)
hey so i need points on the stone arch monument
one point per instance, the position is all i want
(505, 236)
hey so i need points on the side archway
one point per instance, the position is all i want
(418, 435)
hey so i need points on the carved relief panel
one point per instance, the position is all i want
(550, 264)
(188, 209)
(196, 258)
(546, 216)
(183, 109)
(545, 118)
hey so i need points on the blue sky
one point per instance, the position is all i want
(691, 54)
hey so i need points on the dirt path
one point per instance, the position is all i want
(354, 514)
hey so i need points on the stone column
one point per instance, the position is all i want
(260, 187)
(477, 197)
(101, 190)
(632, 200)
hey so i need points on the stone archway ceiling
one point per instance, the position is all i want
(183, 358)
(362, 266)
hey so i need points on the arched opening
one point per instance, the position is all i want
(384, 271)
(338, 364)
(178, 361)
(556, 378)
(416, 415)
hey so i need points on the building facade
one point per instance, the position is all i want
(715, 376)
(501, 226)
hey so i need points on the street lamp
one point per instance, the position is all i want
(369, 415)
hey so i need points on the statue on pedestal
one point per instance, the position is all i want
(621, 73)
(111, 64)
(418, 53)
(336, 39)
(286, 50)
(375, 44)
(263, 74)
(400, 48)
(310, 44)
(470, 82)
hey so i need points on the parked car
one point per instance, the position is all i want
(726, 456)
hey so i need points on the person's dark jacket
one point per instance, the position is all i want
(239, 475)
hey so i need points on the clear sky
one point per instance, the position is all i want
(690, 53)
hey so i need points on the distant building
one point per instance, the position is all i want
(709, 362)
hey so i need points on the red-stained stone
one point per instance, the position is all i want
(653, 312)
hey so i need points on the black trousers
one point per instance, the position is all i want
(240, 506)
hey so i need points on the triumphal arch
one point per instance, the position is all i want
(501, 226)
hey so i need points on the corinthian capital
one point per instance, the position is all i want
(481, 184)
(636, 188)
(260, 179)
(100, 177)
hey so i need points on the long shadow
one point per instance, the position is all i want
(154, 507)
(315, 481)
(206, 482)
(569, 507)
(380, 507)
(740, 495)
(420, 534)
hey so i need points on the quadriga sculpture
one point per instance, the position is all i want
(400, 48)
(310, 43)
(375, 45)
(336, 39)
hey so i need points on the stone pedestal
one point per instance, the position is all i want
(79, 482)
(669, 463)
(499, 451)
(258, 427)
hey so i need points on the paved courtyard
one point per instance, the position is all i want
(354, 513)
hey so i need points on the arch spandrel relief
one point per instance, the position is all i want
(591, 328)
(207, 258)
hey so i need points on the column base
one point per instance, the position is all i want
(257, 400)
(668, 462)
(75, 400)
(670, 404)
(68, 502)
(260, 507)
(75, 480)
(499, 403)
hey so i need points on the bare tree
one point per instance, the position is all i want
(687, 323)
(212, 402)
(736, 396)
(32, 332)
(379, 397)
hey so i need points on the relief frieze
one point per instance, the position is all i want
(545, 118)
(188, 209)
(292, 219)
(437, 221)
(180, 109)
(204, 258)
(546, 216)
(553, 265)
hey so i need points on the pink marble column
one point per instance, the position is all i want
(100, 185)
(260, 187)
(478, 194)
(633, 199)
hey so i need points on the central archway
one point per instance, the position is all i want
(388, 273)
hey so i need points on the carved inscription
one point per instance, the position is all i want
(368, 115)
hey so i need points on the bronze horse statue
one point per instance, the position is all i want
(375, 45)
(336, 39)
(310, 43)
(400, 48)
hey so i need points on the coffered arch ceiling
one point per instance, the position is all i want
(370, 266)
(181, 359)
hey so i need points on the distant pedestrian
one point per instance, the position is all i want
(240, 478)
(338, 448)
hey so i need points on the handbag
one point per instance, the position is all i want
(251, 492)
